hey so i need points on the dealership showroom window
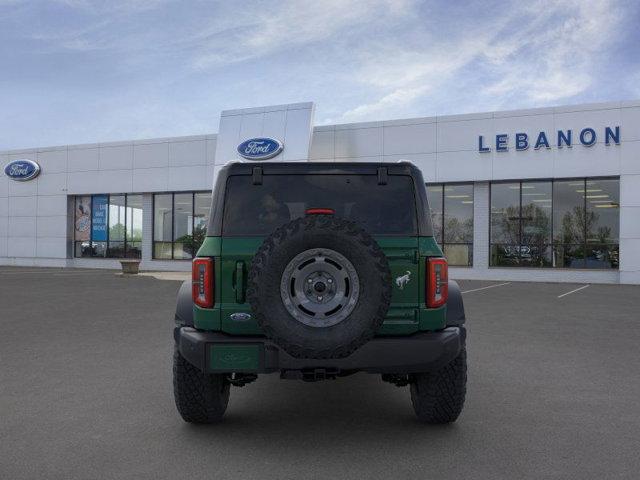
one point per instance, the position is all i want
(108, 226)
(452, 213)
(179, 224)
(560, 223)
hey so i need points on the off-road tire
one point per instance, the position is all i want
(200, 397)
(351, 241)
(438, 397)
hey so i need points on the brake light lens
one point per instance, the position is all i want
(320, 211)
(437, 282)
(202, 282)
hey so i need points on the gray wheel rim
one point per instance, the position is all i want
(319, 287)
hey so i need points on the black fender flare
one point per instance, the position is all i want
(184, 306)
(455, 307)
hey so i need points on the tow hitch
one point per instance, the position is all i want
(310, 375)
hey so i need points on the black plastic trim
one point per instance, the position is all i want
(420, 352)
(455, 306)
(257, 175)
(382, 176)
(184, 306)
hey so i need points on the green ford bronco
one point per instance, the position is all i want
(318, 271)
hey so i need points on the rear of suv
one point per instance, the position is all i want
(316, 271)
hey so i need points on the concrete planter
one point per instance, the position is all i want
(130, 266)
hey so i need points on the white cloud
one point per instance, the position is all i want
(405, 76)
(556, 63)
(262, 32)
(633, 84)
(397, 98)
(112, 6)
(544, 52)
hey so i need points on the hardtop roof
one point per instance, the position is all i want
(363, 168)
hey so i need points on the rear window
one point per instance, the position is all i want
(259, 209)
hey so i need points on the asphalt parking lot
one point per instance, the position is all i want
(85, 392)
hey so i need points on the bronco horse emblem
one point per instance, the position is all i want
(402, 280)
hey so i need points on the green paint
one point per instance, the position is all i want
(402, 255)
(206, 318)
(406, 255)
(211, 247)
(429, 247)
(234, 358)
(433, 318)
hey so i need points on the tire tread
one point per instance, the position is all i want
(199, 397)
(438, 397)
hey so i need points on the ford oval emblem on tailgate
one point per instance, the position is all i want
(240, 317)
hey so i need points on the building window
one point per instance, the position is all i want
(133, 231)
(451, 208)
(179, 224)
(564, 224)
(108, 226)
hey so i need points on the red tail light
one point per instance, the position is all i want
(437, 282)
(202, 277)
(320, 211)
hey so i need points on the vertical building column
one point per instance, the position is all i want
(629, 229)
(147, 227)
(481, 212)
(71, 223)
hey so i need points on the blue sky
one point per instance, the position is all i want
(76, 71)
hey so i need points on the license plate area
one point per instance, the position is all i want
(228, 358)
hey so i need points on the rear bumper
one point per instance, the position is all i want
(216, 352)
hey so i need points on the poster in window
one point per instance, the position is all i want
(99, 218)
(83, 219)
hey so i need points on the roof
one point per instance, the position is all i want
(292, 168)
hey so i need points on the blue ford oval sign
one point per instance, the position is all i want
(22, 170)
(260, 148)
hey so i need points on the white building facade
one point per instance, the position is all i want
(550, 194)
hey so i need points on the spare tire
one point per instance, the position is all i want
(319, 287)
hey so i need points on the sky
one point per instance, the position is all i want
(80, 71)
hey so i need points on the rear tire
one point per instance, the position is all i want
(438, 397)
(200, 397)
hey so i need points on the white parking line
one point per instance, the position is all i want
(69, 274)
(25, 273)
(21, 271)
(56, 273)
(484, 288)
(573, 291)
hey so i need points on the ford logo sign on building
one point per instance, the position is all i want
(22, 170)
(260, 148)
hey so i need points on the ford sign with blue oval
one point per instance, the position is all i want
(260, 148)
(22, 170)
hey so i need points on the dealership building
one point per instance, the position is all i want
(548, 194)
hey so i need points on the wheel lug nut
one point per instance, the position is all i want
(319, 299)
(329, 280)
